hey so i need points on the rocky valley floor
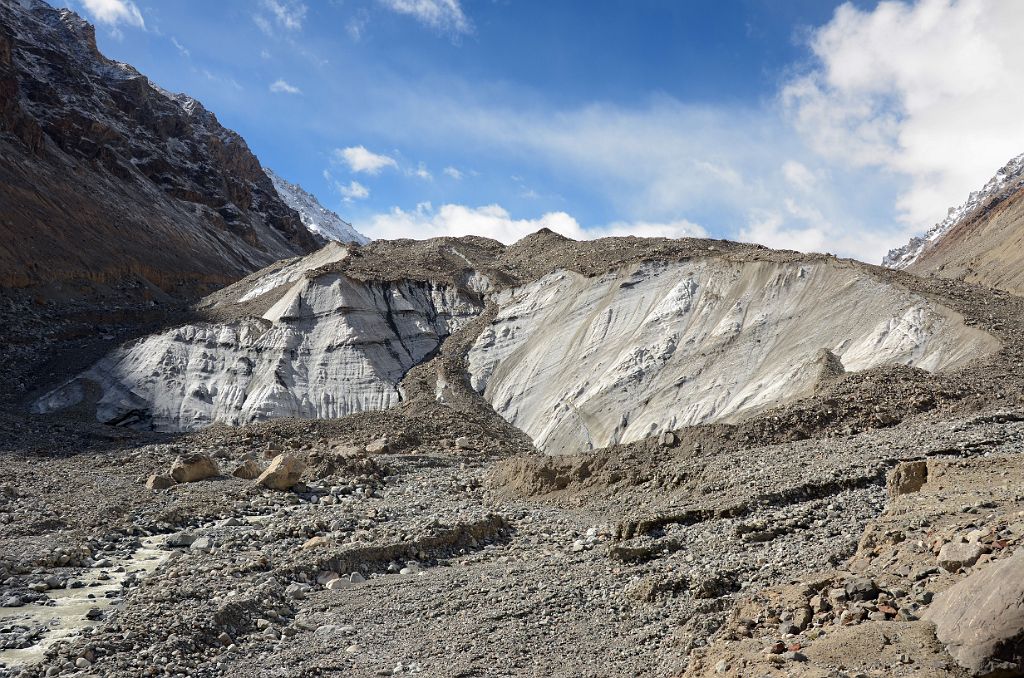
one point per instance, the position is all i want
(814, 538)
(449, 560)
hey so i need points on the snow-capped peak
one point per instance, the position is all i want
(315, 216)
(1007, 180)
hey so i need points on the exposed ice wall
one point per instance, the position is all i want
(329, 347)
(580, 363)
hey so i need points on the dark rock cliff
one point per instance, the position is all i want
(105, 177)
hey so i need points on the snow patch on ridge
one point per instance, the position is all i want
(315, 216)
(1007, 180)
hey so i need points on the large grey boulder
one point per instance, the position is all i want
(981, 619)
(958, 554)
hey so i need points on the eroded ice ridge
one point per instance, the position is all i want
(580, 363)
(1007, 180)
(327, 346)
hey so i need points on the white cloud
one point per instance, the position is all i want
(114, 12)
(353, 191)
(361, 160)
(263, 24)
(494, 221)
(931, 91)
(181, 48)
(454, 173)
(220, 79)
(769, 229)
(445, 15)
(655, 161)
(680, 228)
(798, 176)
(356, 26)
(280, 86)
(423, 173)
(803, 227)
(289, 14)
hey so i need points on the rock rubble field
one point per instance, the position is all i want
(868, 525)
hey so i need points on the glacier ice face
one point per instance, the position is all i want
(314, 216)
(328, 347)
(575, 362)
(581, 363)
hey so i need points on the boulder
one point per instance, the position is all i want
(248, 470)
(861, 588)
(958, 554)
(160, 482)
(283, 472)
(981, 619)
(464, 443)
(202, 544)
(907, 477)
(378, 446)
(181, 539)
(667, 439)
(189, 468)
(314, 542)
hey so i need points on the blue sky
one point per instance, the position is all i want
(799, 123)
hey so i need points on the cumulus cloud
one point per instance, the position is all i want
(445, 15)
(494, 221)
(453, 172)
(798, 176)
(353, 191)
(359, 159)
(280, 86)
(114, 12)
(804, 227)
(930, 91)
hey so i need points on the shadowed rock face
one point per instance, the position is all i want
(104, 176)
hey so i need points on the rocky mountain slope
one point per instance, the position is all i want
(317, 218)
(576, 362)
(981, 240)
(105, 177)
